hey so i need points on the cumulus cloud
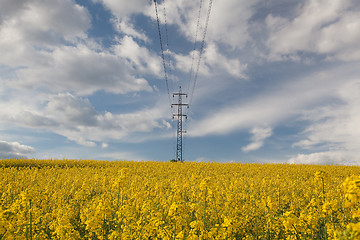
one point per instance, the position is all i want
(125, 26)
(31, 27)
(326, 158)
(319, 26)
(50, 50)
(123, 8)
(213, 62)
(258, 138)
(122, 11)
(121, 155)
(76, 119)
(228, 23)
(82, 70)
(273, 107)
(70, 110)
(47, 54)
(184, 15)
(14, 150)
(104, 145)
(139, 57)
(52, 67)
(201, 159)
(335, 126)
(341, 38)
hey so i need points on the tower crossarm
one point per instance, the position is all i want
(179, 116)
(179, 94)
(179, 104)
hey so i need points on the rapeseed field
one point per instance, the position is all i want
(85, 199)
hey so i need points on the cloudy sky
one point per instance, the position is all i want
(278, 81)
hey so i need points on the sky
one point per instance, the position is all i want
(278, 80)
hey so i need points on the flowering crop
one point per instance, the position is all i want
(69, 199)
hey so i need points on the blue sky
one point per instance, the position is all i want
(279, 81)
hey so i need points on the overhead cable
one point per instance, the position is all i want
(201, 51)
(195, 40)
(167, 37)
(162, 52)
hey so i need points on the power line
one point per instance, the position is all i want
(162, 52)
(167, 42)
(180, 104)
(201, 51)
(195, 40)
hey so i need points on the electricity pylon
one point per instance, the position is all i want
(179, 115)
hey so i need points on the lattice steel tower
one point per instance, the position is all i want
(179, 115)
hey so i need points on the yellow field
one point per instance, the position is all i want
(64, 199)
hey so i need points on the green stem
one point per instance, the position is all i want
(30, 220)
(279, 199)
(205, 206)
(296, 232)
(174, 235)
(3, 234)
(323, 189)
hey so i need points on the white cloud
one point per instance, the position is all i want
(259, 135)
(125, 26)
(342, 38)
(49, 50)
(228, 21)
(140, 57)
(14, 150)
(70, 110)
(321, 27)
(335, 126)
(317, 26)
(11, 7)
(121, 155)
(124, 8)
(179, 13)
(104, 145)
(77, 120)
(82, 70)
(184, 14)
(273, 107)
(202, 159)
(333, 131)
(217, 61)
(327, 158)
(213, 62)
(96, 153)
(33, 27)
(122, 12)
(47, 54)
(80, 140)
(222, 29)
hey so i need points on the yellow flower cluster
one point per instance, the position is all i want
(351, 188)
(68, 199)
